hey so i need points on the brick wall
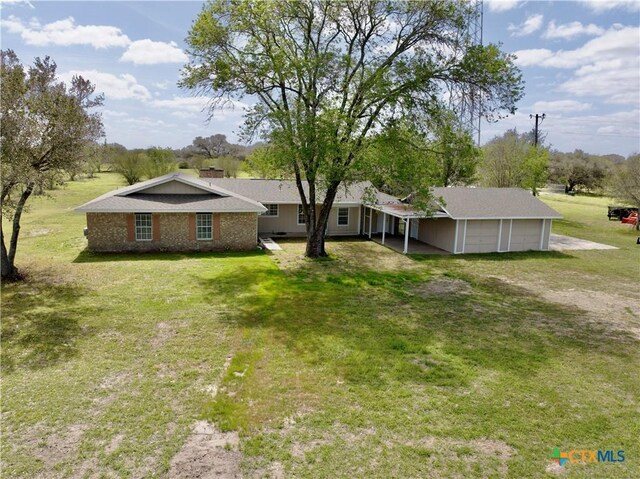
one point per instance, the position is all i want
(109, 232)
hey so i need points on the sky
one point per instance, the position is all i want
(580, 61)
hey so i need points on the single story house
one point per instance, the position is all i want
(177, 212)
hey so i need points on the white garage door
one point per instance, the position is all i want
(525, 235)
(482, 236)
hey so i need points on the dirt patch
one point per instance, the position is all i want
(116, 380)
(39, 232)
(59, 447)
(344, 255)
(114, 443)
(208, 453)
(619, 313)
(165, 332)
(555, 469)
(443, 286)
(299, 449)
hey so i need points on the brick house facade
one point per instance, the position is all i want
(115, 232)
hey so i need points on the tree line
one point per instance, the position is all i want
(511, 160)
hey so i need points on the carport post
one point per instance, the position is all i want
(370, 220)
(407, 226)
(384, 225)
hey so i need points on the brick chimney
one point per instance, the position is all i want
(211, 172)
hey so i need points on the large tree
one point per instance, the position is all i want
(511, 160)
(327, 76)
(580, 170)
(44, 129)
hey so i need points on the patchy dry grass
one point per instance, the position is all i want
(365, 364)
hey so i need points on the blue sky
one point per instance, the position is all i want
(580, 61)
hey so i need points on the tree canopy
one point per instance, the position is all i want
(45, 128)
(327, 77)
(511, 160)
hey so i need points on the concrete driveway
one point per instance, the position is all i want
(563, 243)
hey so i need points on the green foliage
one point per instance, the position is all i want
(229, 164)
(408, 158)
(536, 169)
(325, 86)
(511, 160)
(46, 128)
(624, 183)
(158, 162)
(580, 170)
(130, 165)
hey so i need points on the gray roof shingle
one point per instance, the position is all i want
(475, 203)
(286, 191)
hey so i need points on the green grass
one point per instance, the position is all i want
(350, 367)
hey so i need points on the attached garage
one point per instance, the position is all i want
(492, 220)
(478, 220)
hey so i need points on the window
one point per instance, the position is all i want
(204, 222)
(272, 210)
(300, 215)
(144, 230)
(343, 216)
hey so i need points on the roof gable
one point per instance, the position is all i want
(175, 192)
(175, 178)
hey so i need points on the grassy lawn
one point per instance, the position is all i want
(366, 364)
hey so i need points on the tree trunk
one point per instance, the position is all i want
(5, 268)
(9, 271)
(316, 231)
(315, 244)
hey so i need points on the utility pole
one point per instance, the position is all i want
(539, 119)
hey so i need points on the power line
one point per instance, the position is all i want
(539, 119)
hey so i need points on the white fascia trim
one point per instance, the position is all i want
(77, 210)
(508, 218)
(174, 177)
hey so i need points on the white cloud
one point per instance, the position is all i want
(560, 106)
(614, 44)
(121, 87)
(148, 52)
(607, 66)
(571, 30)
(532, 56)
(114, 114)
(530, 25)
(501, 5)
(12, 24)
(196, 104)
(66, 32)
(618, 80)
(599, 6)
(162, 85)
(17, 2)
(183, 103)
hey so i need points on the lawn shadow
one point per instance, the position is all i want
(41, 323)
(86, 256)
(376, 327)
